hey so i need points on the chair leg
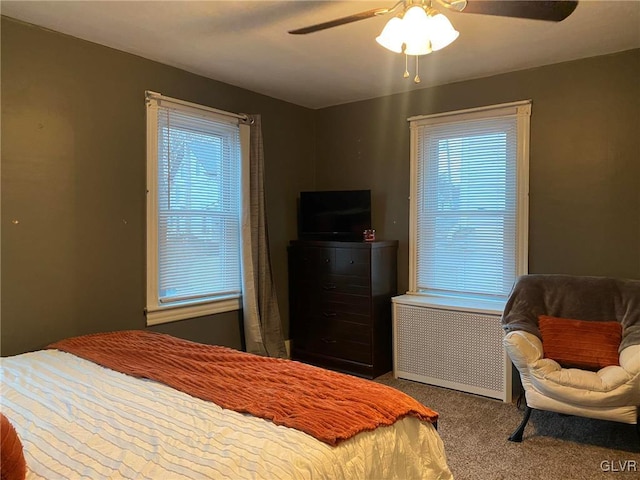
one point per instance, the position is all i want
(517, 435)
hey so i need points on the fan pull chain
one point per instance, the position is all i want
(416, 79)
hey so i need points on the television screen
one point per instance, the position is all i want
(334, 215)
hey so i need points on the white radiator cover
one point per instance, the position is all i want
(453, 347)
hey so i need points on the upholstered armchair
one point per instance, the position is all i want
(576, 344)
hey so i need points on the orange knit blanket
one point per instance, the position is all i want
(330, 406)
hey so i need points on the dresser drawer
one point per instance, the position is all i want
(339, 302)
(338, 329)
(351, 261)
(342, 261)
(333, 302)
(336, 338)
(324, 315)
(328, 282)
(355, 352)
(343, 284)
(311, 262)
(307, 314)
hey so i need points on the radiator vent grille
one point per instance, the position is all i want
(454, 349)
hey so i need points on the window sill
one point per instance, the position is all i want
(182, 312)
(491, 307)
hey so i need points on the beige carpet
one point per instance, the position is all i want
(475, 429)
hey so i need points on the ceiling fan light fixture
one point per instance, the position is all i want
(416, 31)
(415, 18)
(419, 30)
(442, 32)
(391, 36)
(418, 46)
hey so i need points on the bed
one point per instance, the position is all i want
(77, 416)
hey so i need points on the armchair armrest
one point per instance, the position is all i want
(523, 348)
(630, 359)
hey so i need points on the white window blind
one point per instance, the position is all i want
(467, 225)
(194, 216)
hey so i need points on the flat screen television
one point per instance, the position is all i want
(334, 215)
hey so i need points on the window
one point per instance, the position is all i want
(194, 157)
(469, 202)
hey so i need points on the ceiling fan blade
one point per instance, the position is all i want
(340, 21)
(536, 10)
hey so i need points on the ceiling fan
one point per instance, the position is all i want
(419, 29)
(553, 11)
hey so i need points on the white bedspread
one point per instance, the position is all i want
(79, 420)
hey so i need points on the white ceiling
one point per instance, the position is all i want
(245, 43)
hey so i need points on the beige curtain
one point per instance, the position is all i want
(262, 325)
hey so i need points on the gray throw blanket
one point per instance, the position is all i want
(576, 297)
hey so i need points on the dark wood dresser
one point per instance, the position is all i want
(340, 304)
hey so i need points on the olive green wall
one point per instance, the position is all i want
(584, 159)
(73, 175)
(73, 180)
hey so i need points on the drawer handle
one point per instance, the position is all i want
(351, 262)
(329, 340)
(327, 260)
(329, 314)
(329, 286)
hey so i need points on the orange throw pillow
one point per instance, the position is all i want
(12, 463)
(583, 344)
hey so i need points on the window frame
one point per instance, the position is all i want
(156, 312)
(522, 111)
